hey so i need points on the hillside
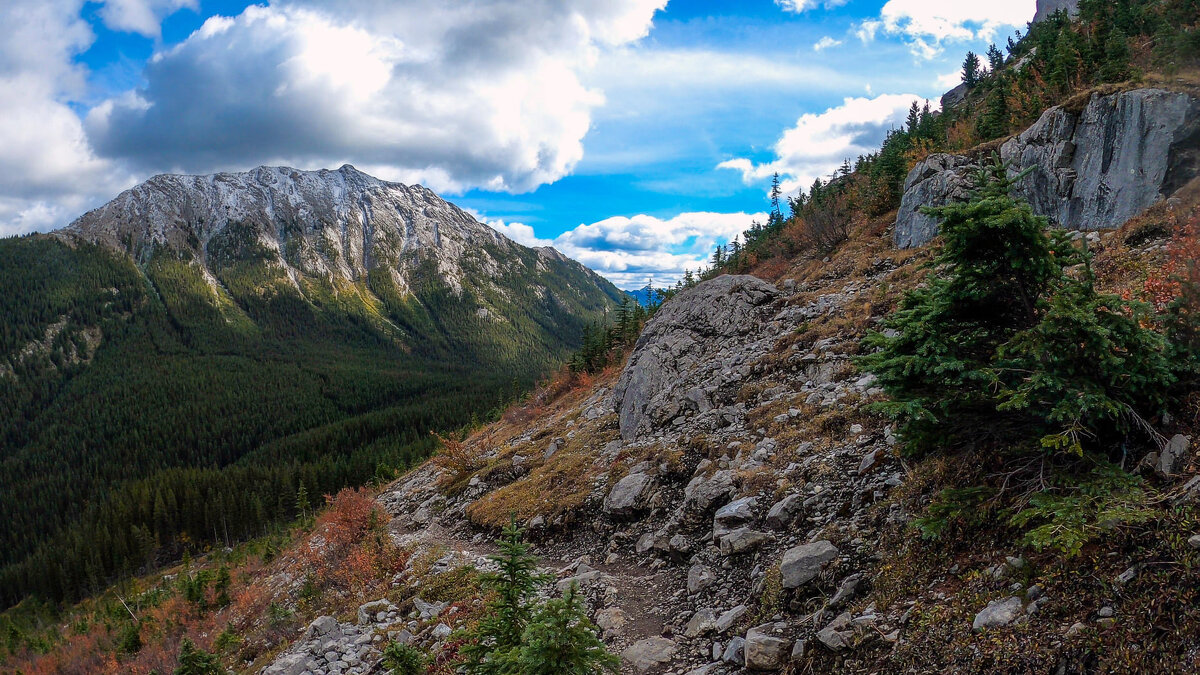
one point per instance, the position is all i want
(873, 438)
(179, 362)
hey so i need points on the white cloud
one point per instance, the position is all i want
(454, 95)
(141, 16)
(47, 164)
(927, 24)
(798, 6)
(826, 43)
(819, 143)
(629, 250)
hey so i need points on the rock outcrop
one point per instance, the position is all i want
(1089, 169)
(672, 372)
(1047, 8)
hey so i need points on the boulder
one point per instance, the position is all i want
(673, 361)
(367, 611)
(703, 495)
(803, 563)
(765, 651)
(998, 613)
(743, 540)
(626, 497)
(729, 618)
(735, 652)
(838, 634)
(699, 578)
(733, 515)
(1173, 456)
(784, 512)
(649, 654)
(611, 619)
(1088, 169)
(703, 622)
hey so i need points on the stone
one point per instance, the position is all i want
(798, 649)
(765, 651)
(835, 635)
(322, 625)
(611, 619)
(729, 618)
(733, 515)
(743, 540)
(803, 563)
(784, 512)
(868, 462)
(1173, 456)
(699, 578)
(1194, 541)
(702, 495)
(703, 622)
(1075, 629)
(1094, 168)
(998, 613)
(846, 590)
(368, 610)
(441, 631)
(735, 652)
(428, 610)
(672, 359)
(646, 655)
(626, 497)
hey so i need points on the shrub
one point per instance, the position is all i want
(196, 661)
(1009, 346)
(401, 659)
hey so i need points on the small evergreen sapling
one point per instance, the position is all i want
(196, 661)
(561, 640)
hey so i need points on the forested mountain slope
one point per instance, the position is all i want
(177, 363)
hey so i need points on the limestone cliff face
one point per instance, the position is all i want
(1091, 169)
(1047, 8)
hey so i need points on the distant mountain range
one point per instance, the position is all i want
(263, 330)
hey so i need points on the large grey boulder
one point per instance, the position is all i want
(765, 651)
(733, 515)
(650, 654)
(743, 540)
(1089, 169)
(998, 613)
(627, 495)
(1047, 8)
(703, 495)
(803, 563)
(677, 367)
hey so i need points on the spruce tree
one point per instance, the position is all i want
(508, 613)
(970, 70)
(995, 59)
(196, 661)
(561, 640)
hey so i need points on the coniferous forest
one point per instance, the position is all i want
(147, 416)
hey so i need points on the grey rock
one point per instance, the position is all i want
(646, 655)
(368, 610)
(703, 622)
(1089, 169)
(322, 625)
(428, 610)
(1047, 8)
(765, 651)
(1194, 541)
(998, 613)
(735, 652)
(803, 563)
(627, 495)
(704, 495)
(699, 578)
(611, 619)
(846, 590)
(743, 540)
(784, 512)
(728, 619)
(1173, 455)
(837, 634)
(676, 347)
(955, 96)
(733, 515)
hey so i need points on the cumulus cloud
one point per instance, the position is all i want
(819, 143)
(630, 250)
(141, 16)
(927, 24)
(47, 165)
(454, 95)
(825, 43)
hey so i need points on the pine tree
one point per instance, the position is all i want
(776, 193)
(196, 661)
(402, 659)
(995, 59)
(1117, 57)
(994, 122)
(302, 505)
(508, 614)
(221, 587)
(970, 70)
(561, 640)
(913, 123)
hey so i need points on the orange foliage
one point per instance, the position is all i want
(350, 548)
(1179, 278)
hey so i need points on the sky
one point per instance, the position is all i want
(632, 135)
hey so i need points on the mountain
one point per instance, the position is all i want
(181, 360)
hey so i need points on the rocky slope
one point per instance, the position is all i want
(330, 224)
(1091, 168)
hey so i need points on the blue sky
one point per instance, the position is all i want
(632, 134)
